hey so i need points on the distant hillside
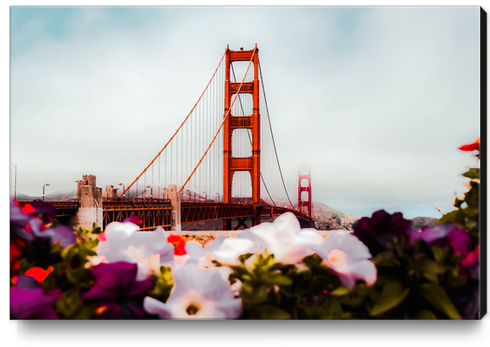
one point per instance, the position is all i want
(419, 222)
(328, 218)
(52, 196)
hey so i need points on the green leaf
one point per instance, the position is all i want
(272, 312)
(425, 314)
(472, 173)
(393, 294)
(277, 280)
(437, 296)
(340, 291)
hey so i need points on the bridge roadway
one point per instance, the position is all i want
(158, 212)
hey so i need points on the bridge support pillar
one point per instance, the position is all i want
(173, 195)
(90, 198)
(257, 215)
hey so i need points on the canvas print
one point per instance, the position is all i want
(253, 163)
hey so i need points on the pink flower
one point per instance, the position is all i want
(470, 266)
(348, 257)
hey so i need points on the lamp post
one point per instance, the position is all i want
(206, 194)
(44, 189)
(123, 187)
(217, 197)
(15, 182)
(151, 192)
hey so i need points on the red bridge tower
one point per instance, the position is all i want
(232, 122)
(304, 203)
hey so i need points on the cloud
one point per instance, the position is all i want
(375, 100)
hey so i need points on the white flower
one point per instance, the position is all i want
(230, 250)
(348, 257)
(286, 240)
(125, 243)
(197, 293)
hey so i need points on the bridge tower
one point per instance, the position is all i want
(233, 164)
(304, 203)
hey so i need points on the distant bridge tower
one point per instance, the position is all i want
(305, 202)
(250, 164)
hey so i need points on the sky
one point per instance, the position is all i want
(375, 101)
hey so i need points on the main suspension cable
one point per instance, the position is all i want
(272, 135)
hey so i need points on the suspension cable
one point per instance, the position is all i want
(272, 135)
(250, 139)
(127, 188)
(222, 123)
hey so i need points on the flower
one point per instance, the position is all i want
(471, 147)
(178, 242)
(16, 249)
(286, 240)
(125, 243)
(135, 220)
(197, 293)
(230, 250)
(377, 231)
(444, 234)
(36, 272)
(116, 292)
(470, 266)
(24, 224)
(29, 301)
(348, 257)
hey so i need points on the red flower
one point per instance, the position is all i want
(475, 146)
(16, 249)
(37, 272)
(179, 244)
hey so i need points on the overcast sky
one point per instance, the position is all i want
(375, 100)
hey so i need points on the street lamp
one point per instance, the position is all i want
(151, 192)
(44, 189)
(206, 196)
(123, 187)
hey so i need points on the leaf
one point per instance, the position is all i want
(425, 314)
(473, 173)
(277, 280)
(272, 312)
(437, 296)
(393, 294)
(340, 291)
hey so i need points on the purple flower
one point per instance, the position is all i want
(470, 266)
(377, 231)
(25, 225)
(29, 301)
(444, 234)
(116, 293)
(21, 213)
(197, 293)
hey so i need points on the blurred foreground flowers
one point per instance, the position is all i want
(385, 269)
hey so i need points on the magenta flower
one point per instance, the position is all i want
(29, 301)
(116, 293)
(470, 266)
(377, 231)
(444, 234)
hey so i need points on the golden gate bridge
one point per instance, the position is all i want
(220, 164)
